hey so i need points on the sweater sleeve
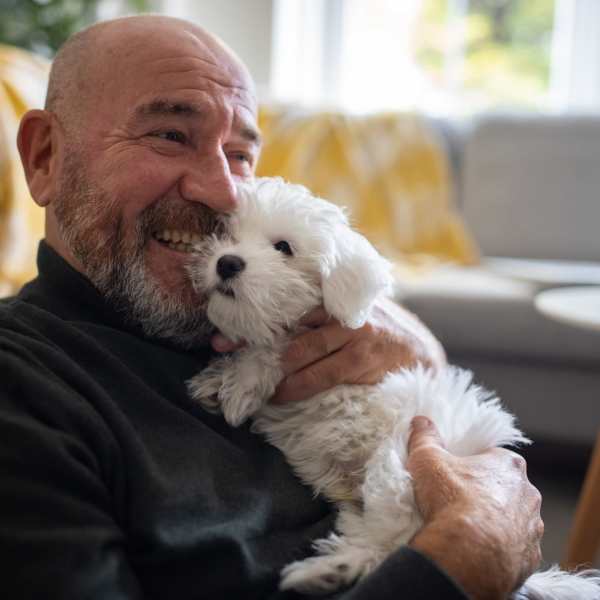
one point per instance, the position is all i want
(406, 574)
(58, 535)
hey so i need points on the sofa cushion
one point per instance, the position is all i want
(531, 186)
(554, 403)
(474, 310)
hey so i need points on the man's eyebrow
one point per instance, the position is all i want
(161, 107)
(166, 107)
(251, 135)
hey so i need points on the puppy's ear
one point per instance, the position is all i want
(353, 275)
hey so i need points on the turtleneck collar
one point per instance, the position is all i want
(64, 291)
(68, 293)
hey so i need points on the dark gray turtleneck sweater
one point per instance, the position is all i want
(114, 485)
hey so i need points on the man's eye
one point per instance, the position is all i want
(283, 246)
(240, 156)
(170, 136)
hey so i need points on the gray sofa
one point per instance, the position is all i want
(529, 190)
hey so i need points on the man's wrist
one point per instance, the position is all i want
(459, 547)
(428, 350)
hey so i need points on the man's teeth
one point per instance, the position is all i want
(176, 235)
(178, 240)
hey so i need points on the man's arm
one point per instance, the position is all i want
(482, 530)
(58, 538)
(481, 534)
(329, 354)
(482, 515)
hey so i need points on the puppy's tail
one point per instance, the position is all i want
(555, 584)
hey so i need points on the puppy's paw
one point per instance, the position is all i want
(320, 575)
(239, 404)
(205, 386)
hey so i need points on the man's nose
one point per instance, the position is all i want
(210, 182)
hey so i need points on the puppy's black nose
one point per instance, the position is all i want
(229, 266)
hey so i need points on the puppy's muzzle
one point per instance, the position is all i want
(229, 266)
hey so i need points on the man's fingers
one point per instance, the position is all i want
(317, 316)
(325, 374)
(314, 345)
(222, 344)
(424, 434)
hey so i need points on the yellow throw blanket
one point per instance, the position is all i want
(390, 170)
(22, 86)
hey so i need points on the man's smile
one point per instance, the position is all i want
(177, 239)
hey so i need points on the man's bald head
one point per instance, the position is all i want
(90, 57)
(150, 124)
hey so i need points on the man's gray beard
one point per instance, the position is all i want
(93, 232)
(140, 299)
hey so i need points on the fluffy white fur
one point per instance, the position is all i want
(349, 443)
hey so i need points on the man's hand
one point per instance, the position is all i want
(482, 516)
(329, 354)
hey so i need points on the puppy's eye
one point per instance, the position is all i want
(283, 246)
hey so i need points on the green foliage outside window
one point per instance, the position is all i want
(43, 25)
(505, 52)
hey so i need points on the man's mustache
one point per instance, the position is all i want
(182, 215)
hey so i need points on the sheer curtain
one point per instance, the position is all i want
(575, 83)
(339, 53)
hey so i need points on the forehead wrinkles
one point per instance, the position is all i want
(184, 78)
(171, 61)
(205, 68)
(184, 53)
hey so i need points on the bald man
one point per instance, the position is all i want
(113, 484)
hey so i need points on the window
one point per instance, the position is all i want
(451, 57)
(486, 54)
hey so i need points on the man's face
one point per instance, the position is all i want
(169, 134)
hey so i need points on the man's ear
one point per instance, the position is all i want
(38, 145)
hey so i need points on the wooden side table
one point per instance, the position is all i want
(584, 539)
(580, 307)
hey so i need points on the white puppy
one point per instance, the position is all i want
(287, 252)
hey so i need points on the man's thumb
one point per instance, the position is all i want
(220, 343)
(423, 434)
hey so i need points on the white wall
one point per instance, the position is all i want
(244, 25)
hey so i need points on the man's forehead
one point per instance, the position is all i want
(173, 45)
(174, 54)
(169, 88)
